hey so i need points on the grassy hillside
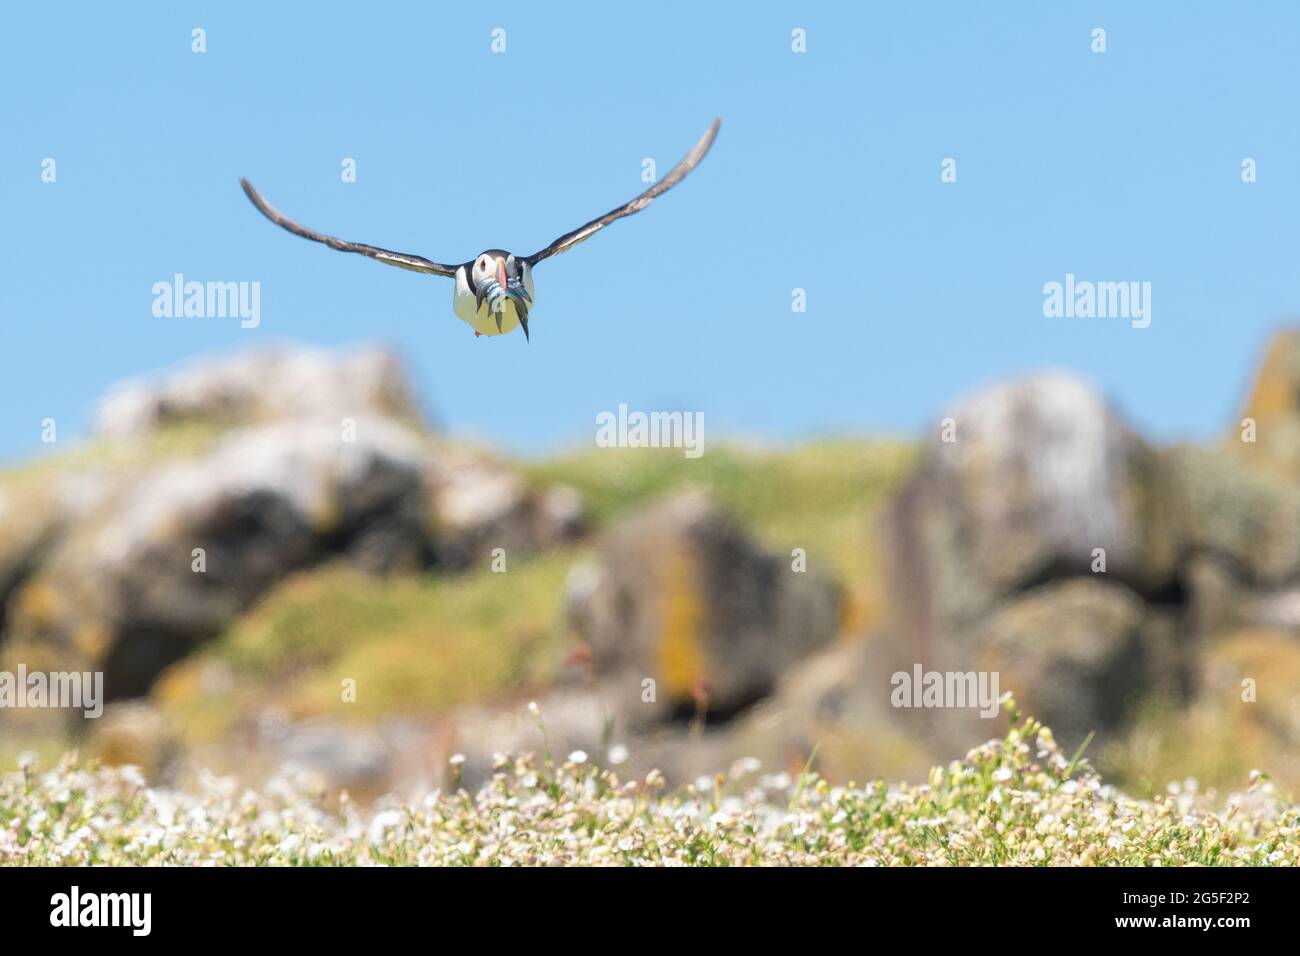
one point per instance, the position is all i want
(420, 645)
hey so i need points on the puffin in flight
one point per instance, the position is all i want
(494, 291)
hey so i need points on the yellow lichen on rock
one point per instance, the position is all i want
(683, 667)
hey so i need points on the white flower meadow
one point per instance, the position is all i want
(1014, 801)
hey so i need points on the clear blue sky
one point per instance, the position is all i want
(826, 175)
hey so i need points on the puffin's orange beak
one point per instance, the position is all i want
(501, 273)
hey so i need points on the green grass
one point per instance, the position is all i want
(791, 492)
(414, 646)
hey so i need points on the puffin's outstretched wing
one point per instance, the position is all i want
(414, 263)
(674, 176)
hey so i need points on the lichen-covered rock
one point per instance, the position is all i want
(480, 506)
(1247, 519)
(134, 733)
(1255, 674)
(248, 387)
(1087, 651)
(186, 547)
(1268, 432)
(29, 520)
(124, 563)
(691, 615)
(1042, 539)
(1028, 481)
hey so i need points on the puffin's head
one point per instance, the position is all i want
(497, 277)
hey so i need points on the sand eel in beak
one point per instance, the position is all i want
(494, 292)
